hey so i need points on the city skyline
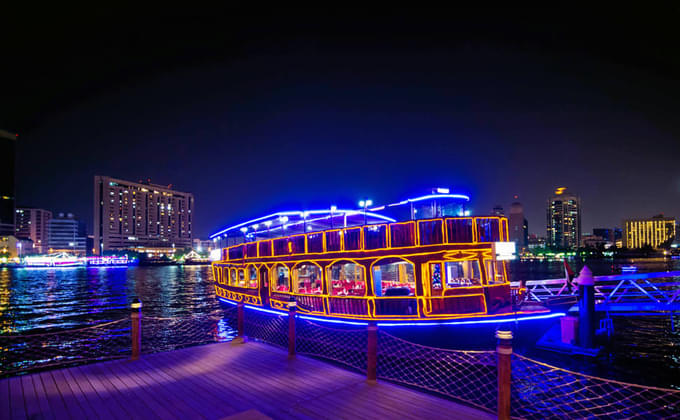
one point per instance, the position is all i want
(299, 117)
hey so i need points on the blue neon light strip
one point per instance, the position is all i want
(269, 311)
(332, 321)
(428, 197)
(336, 213)
(479, 321)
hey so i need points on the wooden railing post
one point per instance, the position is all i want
(292, 311)
(240, 315)
(504, 354)
(136, 318)
(372, 352)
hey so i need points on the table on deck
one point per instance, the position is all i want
(217, 381)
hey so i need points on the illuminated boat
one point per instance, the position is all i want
(420, 260)
(61, 259)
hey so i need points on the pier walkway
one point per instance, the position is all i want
(217, 381)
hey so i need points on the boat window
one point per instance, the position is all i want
(402, 235)
(282, 280)
(488, 230)
(462, 273)
(241, 277)
(236, 252)
(265, 248)
(297, 244)
(252, 276)
(251, 250)
(232, 278)
(346, 279)
(504, 230)
(352, 239)
(315, 242)
(495, 272)
(436, 278)
(223, 275)
(334, 240)
(307, 279)
(431, 232)
(281, 246)
(375, 237)
(459, 230)
(394, 277)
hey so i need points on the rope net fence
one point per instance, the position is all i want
(21, 353)
(469, 376)
(341, 345)
(165, 334)
(542, 391)
(271, 328)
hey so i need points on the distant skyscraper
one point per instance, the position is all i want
(654, 231)
(32, 224)
(7, 194)
(564, 220)
(518, 225)
(498, 210)
(132, 215)
(66, 234)
(604, 233)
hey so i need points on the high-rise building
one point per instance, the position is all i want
(7, 194)
(604, 233)
(140, 216)
(564, 220)
(66, 234)
(518, 225)
(498, 210)
(655, 231)
(32, 224)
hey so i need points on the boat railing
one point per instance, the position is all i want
(658, 289)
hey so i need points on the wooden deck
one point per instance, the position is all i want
(218, 381)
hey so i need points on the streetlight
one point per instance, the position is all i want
(304, 221)
(365, 204)
(333, 208)
(244, 230)
(283, 220)
(268, 223)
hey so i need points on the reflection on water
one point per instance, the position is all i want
(32, 300)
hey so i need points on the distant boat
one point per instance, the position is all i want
(109, 261)
(60, 259)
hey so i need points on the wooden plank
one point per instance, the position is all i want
(89, 410)
(111, 401)
(192, 379)
(138, 392)
(70, 401)
(30, 398)
(57, 406)
(135, 407)
(5, 410)
(105, 409)
(159, 391)
(16, 392)
(42, 396)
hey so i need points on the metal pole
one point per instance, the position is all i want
(240, 315)
(586, 308)
(372, 352)
(136, 318)
(292, 311)
(504, 355)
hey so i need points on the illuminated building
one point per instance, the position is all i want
(604, 233)
(498, 210)
(66, 234)
(656, 232)
(564, 220)
(7, 193)
(519, 226)
(32, 224)
(141, 216)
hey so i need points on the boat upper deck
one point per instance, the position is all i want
(437, 233)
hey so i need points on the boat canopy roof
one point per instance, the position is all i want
(437, 204)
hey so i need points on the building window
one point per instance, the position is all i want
(394, 277)
(346, 278)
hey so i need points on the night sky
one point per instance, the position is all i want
(258, 113)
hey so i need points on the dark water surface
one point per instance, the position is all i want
(643, 350)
